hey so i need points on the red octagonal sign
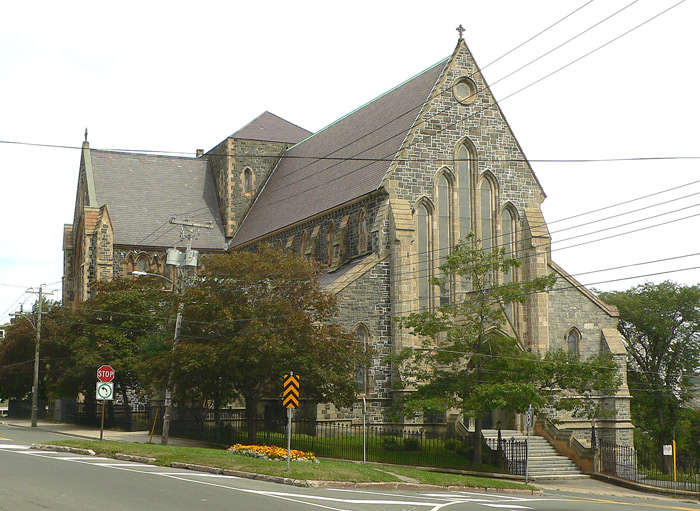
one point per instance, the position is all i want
(105, 373)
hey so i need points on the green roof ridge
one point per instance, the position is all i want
(370, 101)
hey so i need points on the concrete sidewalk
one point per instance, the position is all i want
(140, 437)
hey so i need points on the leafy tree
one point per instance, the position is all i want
(661, 326)
(17, 353)
(125, 323)
(469, 362)
(252, 317)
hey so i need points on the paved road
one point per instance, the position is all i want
(40, 480)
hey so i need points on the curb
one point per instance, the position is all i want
(62, 448)
(132, 457)
(288, 480)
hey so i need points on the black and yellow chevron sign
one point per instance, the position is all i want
(290, 397)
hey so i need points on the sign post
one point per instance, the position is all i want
(290, 399)
(104, 390)
(529, 422)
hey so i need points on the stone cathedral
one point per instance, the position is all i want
(376, 196)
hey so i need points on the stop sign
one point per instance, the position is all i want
(105, 373)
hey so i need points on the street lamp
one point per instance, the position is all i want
(171, 373)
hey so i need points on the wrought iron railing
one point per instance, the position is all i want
(510, 455)
(650, 468)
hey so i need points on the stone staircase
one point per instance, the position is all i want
(545, 462)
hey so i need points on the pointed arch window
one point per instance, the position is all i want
(444, 228)
(486, 200)
(331, 241)
(362, 232)
(142, 264)
(573, 343)
(423, 219)
(247, 181)
(508, 244)
(304, 244)
(464, 166)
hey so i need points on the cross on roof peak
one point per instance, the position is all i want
(460, 29)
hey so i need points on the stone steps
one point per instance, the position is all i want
(545, 462)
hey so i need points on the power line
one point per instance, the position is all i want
(495, 104)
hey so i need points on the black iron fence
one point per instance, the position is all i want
(404, 445)
(116, 416)
(650, 468)
(510, 455)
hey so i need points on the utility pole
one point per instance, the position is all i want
(35, 385)
(175, 257)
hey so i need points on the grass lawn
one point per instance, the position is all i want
(327, 470)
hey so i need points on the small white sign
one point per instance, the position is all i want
(668, 450)
(529, 418)
(105, 391)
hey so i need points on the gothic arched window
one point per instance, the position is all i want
(247, 181)
(304, 244)
(487, 201)
(362, 232)
(444, 229)
(331, 241)
(573, 343)
(464, 166)
(508, 244)
(423, 220)
(142, 264)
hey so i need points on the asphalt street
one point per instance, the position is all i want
(43, 480)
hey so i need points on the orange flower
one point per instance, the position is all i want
(272, 452)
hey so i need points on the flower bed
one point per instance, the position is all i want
(272, 452)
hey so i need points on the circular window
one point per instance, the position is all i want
(464, 90)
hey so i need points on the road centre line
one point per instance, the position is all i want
(656, 506)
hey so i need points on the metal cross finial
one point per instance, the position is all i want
(460, 29)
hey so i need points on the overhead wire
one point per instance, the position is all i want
(618, 38)
(453, 125)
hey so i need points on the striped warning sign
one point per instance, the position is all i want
(290, 397)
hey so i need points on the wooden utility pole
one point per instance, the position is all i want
(35, 386)
(189, 231)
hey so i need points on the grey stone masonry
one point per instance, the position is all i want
(230, 160)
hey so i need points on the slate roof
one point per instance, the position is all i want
(272, 128)
(142, 192)
(303, 185)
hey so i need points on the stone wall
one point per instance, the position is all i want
(572, 307)
(229, 161)
(290, 239)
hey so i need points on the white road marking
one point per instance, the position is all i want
(85, 457)
(508, 506)
(316, 501)
(122, 464)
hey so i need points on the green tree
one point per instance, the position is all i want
(467, 360)
(661, 326)
(125, 323)
(17, 353)
(256, 316)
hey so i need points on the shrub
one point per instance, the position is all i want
(411, 444)
(391, 443)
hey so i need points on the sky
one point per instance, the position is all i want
(604, 104)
